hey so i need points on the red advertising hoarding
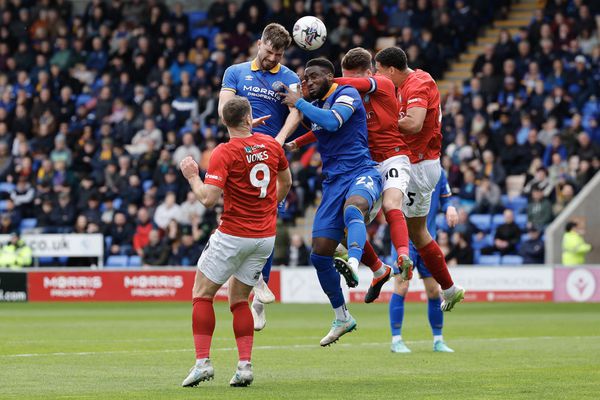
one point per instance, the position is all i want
(155, 285)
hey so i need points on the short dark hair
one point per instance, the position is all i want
(321, 62)
(235, 110)
(357, 58)
(277, 36)
(570, 226)
(392, 57)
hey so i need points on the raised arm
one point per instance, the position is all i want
(363, 85)
(207, 194)
(412, 122)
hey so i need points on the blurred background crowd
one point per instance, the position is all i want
(97, 109)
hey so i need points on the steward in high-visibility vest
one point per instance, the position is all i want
(574, 246)
(15, 254)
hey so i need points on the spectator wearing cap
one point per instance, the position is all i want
(532, 249)
(167, 211)
(574, 245)
(85, 190)
(187, 148)
(539, 209)
(44, 213)
(581, 82)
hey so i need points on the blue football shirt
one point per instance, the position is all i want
(261, 89)
(347, 149)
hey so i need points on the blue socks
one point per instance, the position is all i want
(396, 314)
(329, 279)
(357, 231)
(434, 313)
(266, 271)
(436, 316)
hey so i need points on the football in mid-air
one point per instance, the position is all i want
(309, 33)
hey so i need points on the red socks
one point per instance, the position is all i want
(398, 230)
(243, 328)
(203, 325)
(434, 260)
(370, 258)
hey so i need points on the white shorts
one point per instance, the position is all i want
(424, 176)
(227, 255)
(395, 173)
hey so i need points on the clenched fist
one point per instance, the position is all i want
(189, 167)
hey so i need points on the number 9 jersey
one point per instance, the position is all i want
(246, 169)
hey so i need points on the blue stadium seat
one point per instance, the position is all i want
(497, 220)
(6, 187)
(477, 244)
(117, 202)
(195, 17)
(47, 261)
(3, 205)
(125, 249)
(521, 220)
(517, 204)
(28, 223)
(135, 261)
(481, 221)
(107, 242)
(492, 259)
(512, 260)
(117, 261)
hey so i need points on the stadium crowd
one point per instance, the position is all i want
(98, 108)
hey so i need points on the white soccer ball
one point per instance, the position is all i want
(309, 33)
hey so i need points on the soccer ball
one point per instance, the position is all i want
(309, 33)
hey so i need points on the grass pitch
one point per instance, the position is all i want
(144, 350)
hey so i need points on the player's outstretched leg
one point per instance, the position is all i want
(396, 311)
(330, 283)
(354, 220)
(262, 296)
(434, 260)
(392, 204)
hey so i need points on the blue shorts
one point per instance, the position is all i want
(329, 220)
(416, 259)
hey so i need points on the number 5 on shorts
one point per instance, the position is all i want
(411, 198)
(260, 183)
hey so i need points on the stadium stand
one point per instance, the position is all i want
(94, 105)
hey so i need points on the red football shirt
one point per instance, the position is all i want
(420, 90)
(381, 104)
(246, 169)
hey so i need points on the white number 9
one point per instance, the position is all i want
(260, 183)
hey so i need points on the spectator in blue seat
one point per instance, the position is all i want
(121, 232)
(23, 197)
(44, 213)
(487, 197)
(92, 212)
(187, 251)
(181, 65)
(156, 252)
(539, 209)
(507, 236)
(63, 213)
(555, 147)
(532, 249)
(461, 252)
(467, 190)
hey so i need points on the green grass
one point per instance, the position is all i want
(144, 350)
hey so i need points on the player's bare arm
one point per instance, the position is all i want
(284, 183)
(291, 123)
(451, 216)
(224, 96)
(412, 122)
(208, 195)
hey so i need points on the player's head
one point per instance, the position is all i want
(357, 62)
(391, 62)
(318, 75)
(271, 46)
(237, 114)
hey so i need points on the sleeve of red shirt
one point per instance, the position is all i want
(363, 85)
(283, 162)
(308, 138)
(217, 168)
(418, 96)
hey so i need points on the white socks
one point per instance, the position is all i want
(396, 338)
(353, 262)
(437, 338)
(341, 313)
(449, 292)
(379, 272)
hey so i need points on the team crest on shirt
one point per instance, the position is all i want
(248, 77)
(367, 99)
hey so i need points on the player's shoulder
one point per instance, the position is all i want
(420, 77)
(383, 81)
(267, 140)
(239, 68)
(283, 70)
(346, 90)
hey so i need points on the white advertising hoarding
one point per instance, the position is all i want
(63, 245)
